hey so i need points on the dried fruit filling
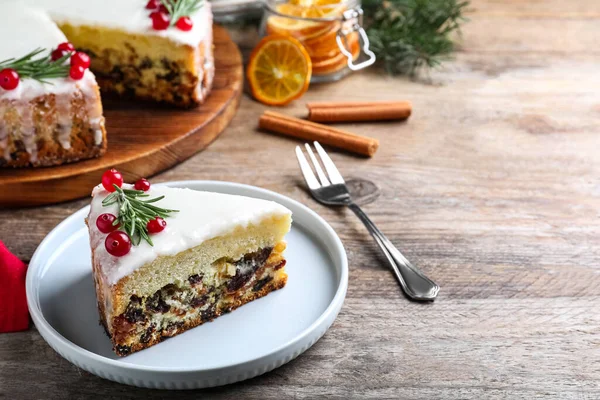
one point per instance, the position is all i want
(167, 310)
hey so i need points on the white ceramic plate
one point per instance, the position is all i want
(250, 341)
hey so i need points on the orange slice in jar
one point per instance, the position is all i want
(301, 30)
(322, 54)
(326, 48)
(279, 70)
(331, 50)
(324, 66)
(317, 11)
(289, 18)
(289, 23)
(327, 36)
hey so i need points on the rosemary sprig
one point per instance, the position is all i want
(134, 213)
(407, 35)
(181, 8)
(41, 68)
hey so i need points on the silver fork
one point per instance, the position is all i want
(332, 190)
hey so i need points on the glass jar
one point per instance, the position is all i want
(331, 33)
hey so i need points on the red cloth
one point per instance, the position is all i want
(14, 315)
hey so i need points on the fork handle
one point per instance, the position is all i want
(414, 283)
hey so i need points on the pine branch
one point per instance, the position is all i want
(407, 35)
(181, 8)
(135, 213)
(40, 68)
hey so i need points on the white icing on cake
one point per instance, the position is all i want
(126, 15)
(202, 216)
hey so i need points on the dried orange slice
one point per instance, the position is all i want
(299, 29)
(326, 46)
(279, 70)
(327, 36)
(289, 13)
(333, 64)
(288, 22)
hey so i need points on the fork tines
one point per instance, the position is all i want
(332, 176)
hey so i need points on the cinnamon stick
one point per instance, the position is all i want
(306, 130)
(334, 104)
(358, 111)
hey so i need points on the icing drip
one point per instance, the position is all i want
(208, 59)
(63, 120)
(209, 66)
(95, 119)
(96, 124)
(97, 137)
(94, 112)
(201, 72)
(207, 72)
(27, 131)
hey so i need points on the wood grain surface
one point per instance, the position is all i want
(491, 187)
(143, 138)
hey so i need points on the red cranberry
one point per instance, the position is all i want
(152, 4)
(104, 222)
(9, 79)
(160, 21)
(76, 72)
(142, 184)
(185, 24)
(81, 59)
(58, 53)
(110, 178)
(117, 243)
(156, 225)
(66, 46)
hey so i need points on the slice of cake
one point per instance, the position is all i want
(166, 260)
(49, 114)
(155, 50)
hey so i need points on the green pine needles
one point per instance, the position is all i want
(407, 35)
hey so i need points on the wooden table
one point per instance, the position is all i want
(491, 188)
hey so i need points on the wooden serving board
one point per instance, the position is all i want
(143, 139)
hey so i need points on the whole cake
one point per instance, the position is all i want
(50, 110)
(166, 259)
(51, 113)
